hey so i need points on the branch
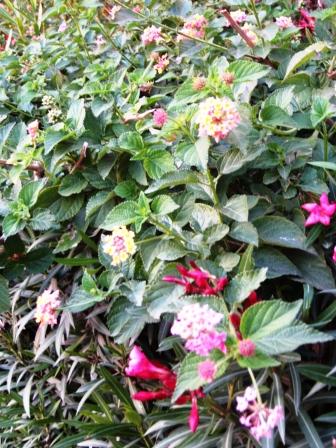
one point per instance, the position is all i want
(35, 166)
(236, 27)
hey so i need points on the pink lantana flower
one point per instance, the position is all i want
(246, 347)
(284, 22)
(207, 370)
(260, 419)
(319, 213)
(162, 63)
(194, 27)
(33, 129)
(46, 306)
(160, 117)
(151, 35)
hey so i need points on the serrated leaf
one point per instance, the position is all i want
(163, 205)
(76, 114)
(246, 71)
(131, 141)
(266, 317)
(158, 163)
(203, 216)
(96, 202)
(67, 208)
(243, 284)
(52, 137)
(12, 225)
(29, 192)
(72, 184)
(121, 215)
(43, 220)
(246, 232)
(81, 300)
(258, 361)
(236, 208)
(173, 179)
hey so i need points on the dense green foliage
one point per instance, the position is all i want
(98, 160)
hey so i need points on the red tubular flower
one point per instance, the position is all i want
(194, 415)
(197, 280)
(140, 366)
(235, 317)
(306, 21)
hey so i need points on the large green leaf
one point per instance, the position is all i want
(29, 192)
(266, 317)
(246, 71)
(302, 57)
(72, 184)
(81, 300)
(279, 231)
(243, 284)
(173, 179)
(121, 215)
(236, 208)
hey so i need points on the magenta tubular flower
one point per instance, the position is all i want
(319, 213)
(306, 21)
(334, 255)
(140, 366)
(197, 280)
(194, 416)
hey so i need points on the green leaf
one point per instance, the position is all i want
(279, 231)
(202, 146)
(134, 291)
(275, 116)
(258, 361)
(30, 191)
(88, 283)
(174, 179)
(96, 202)
(203, 216)
(320, 110)
(266, 317)
(43, 220)
(314, 270)
(325, 165)
(76, 114)
(121, 215)
(52, 137)
(302, 57)
(4, 295)
(163, 205)
(67, 208)
(246, 71)
(290, 338)
(236, 208)
(318, 372)
(12, 225)
(81, 300)
(243, 284)
(245, 232)
(157, 163)
(131, 141)
(72, 184)
(276, 262)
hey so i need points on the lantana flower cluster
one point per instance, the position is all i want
(46, 306)
(151, 35)
(196, 324)
(119, 245)
(194, 27)
(256, 416)
(217, 117)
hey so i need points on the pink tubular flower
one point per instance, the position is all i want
(256, 416)
(162, 63)
(160, 117)
(319, 213)
(194, 27)
(334, 255)
(141, 367)
(197, 280)
(46, 307)
(284, 22)
(33, 129)
(63, 26)
(197, 325)
(150, 35)
(217, 117)
(246, 347)
(207, 370)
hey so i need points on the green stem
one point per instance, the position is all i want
(325, 142)
(214, 193)
(255, 13)
(255, 385)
